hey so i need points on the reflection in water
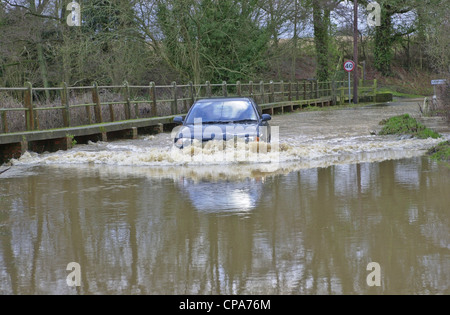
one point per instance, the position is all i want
(150, 231)
(223, 196)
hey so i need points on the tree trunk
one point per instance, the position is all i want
(421, 39)
(295, 40)
(40, 48)
(43, 67)
(383, 43)
(321, 20)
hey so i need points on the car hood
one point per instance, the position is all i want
(218, 131)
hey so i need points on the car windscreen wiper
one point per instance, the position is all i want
(244, 121)
(216, 122)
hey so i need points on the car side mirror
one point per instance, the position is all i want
(178, 120)
(266, 117)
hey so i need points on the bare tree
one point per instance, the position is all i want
(36, 22)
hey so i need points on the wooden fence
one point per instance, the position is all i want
(160, 100)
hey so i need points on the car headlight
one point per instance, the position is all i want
(252, 139)
(183, 142)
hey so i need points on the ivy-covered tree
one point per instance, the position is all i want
(321, 21)
(323, 41)
(390, 32)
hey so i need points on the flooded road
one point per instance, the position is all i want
(140, 218)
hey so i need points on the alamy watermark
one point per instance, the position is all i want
(374, 277)
(374, 17)
(74, 18)
(74, 277)
(233, 143)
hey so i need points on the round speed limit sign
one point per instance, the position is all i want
(349, 66)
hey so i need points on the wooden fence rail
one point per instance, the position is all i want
(175, 98)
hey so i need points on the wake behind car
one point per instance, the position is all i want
(223, 119)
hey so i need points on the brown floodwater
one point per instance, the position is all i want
(308, 218)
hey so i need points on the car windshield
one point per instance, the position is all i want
(220, 111)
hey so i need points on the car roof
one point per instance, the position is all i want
(225, 99)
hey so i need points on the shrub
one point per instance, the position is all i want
(441, 152)
(406, 125)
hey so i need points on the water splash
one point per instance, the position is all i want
(307, 140)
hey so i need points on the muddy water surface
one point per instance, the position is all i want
(307, 218)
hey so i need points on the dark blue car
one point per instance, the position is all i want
(223, 119)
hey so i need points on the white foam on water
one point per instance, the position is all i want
(312, 152)
(137, 158)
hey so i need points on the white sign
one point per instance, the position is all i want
(349, 66)
(438, 82)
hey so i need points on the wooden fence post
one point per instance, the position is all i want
(290, 92)
(238, 88)
(185, 105)
(261, 91)
(136, 110)
(112, 116)
(224, 89)
(272, 92)
(191, 94)
(28, 100)
(297, 90)
(153, 99)
(65, 104)
(174, 107)
(4, 122)
(88, 113)
(250, 89)
(126, 96)
(96, 101)
(304, 90)
(317, 89)
(208, 89)
(375, 90)
(333, 93)
(281, 90)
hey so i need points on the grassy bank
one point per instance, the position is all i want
(406, 125)
(441, 152)
(395, 93)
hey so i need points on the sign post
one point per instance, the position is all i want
(434, 83)
(349, 66)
